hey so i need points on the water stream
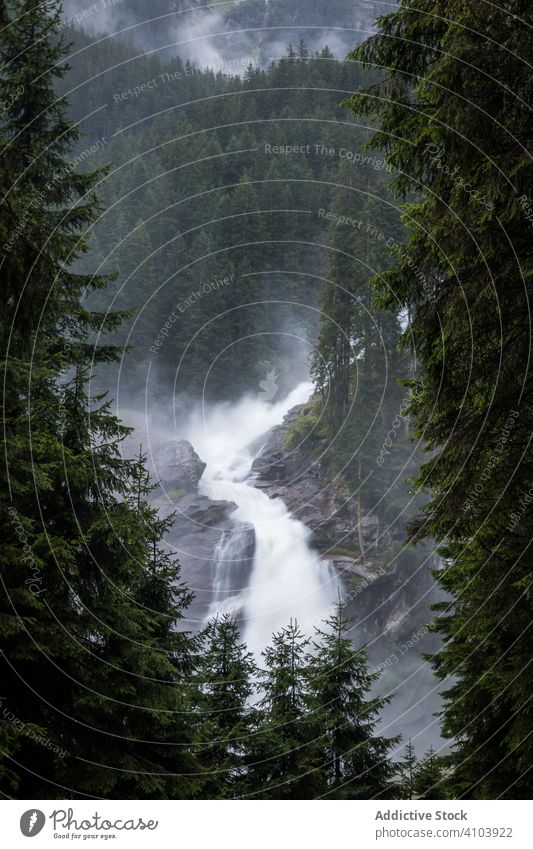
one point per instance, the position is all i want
(287, 579)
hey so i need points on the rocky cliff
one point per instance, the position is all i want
(200, 524)
(388, 586)
(382, 577)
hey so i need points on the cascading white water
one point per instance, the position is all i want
(288, 579)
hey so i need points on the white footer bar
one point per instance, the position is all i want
(267, 825)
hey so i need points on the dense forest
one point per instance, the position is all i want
(245, 204)
(267, 227)
(170, 230)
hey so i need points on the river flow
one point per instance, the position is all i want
(288, 580)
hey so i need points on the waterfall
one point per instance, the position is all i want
(231, 562)
(286, 578)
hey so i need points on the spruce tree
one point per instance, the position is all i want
(430, 777)
(355, 760)
(407, 772)
(464, 280)
(90, 651)
(286, 759)
(39, 222)
(226, 685)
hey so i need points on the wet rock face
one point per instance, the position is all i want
(383, 587)
(301, 481)
(178, 466)
(320, 501)
(295, 477)
(199, 525)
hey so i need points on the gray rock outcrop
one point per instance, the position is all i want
(200, 523)
(322, 502)
(375, 581)
(178, 466)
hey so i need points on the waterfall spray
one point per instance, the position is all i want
(288, 579)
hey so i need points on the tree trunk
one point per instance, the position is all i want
(359, 517)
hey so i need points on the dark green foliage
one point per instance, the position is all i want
(286, 755)
(429, 781)
(355, 760)
(407, 772)
(356, 365)
(103, 692)
(316, 720)
(421, 779)
(454, 121)
(218, 241)
(92, 665)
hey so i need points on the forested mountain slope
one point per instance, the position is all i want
(254, 181)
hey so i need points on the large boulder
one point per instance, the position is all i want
(177, 466)
(270, 466)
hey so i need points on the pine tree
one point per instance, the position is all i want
(132, 680)
(39, 220)
(226, 685)
(430, 776)
(303, 51)
(407, 772)
(91, 658)
(355, 761)
(285, 756)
